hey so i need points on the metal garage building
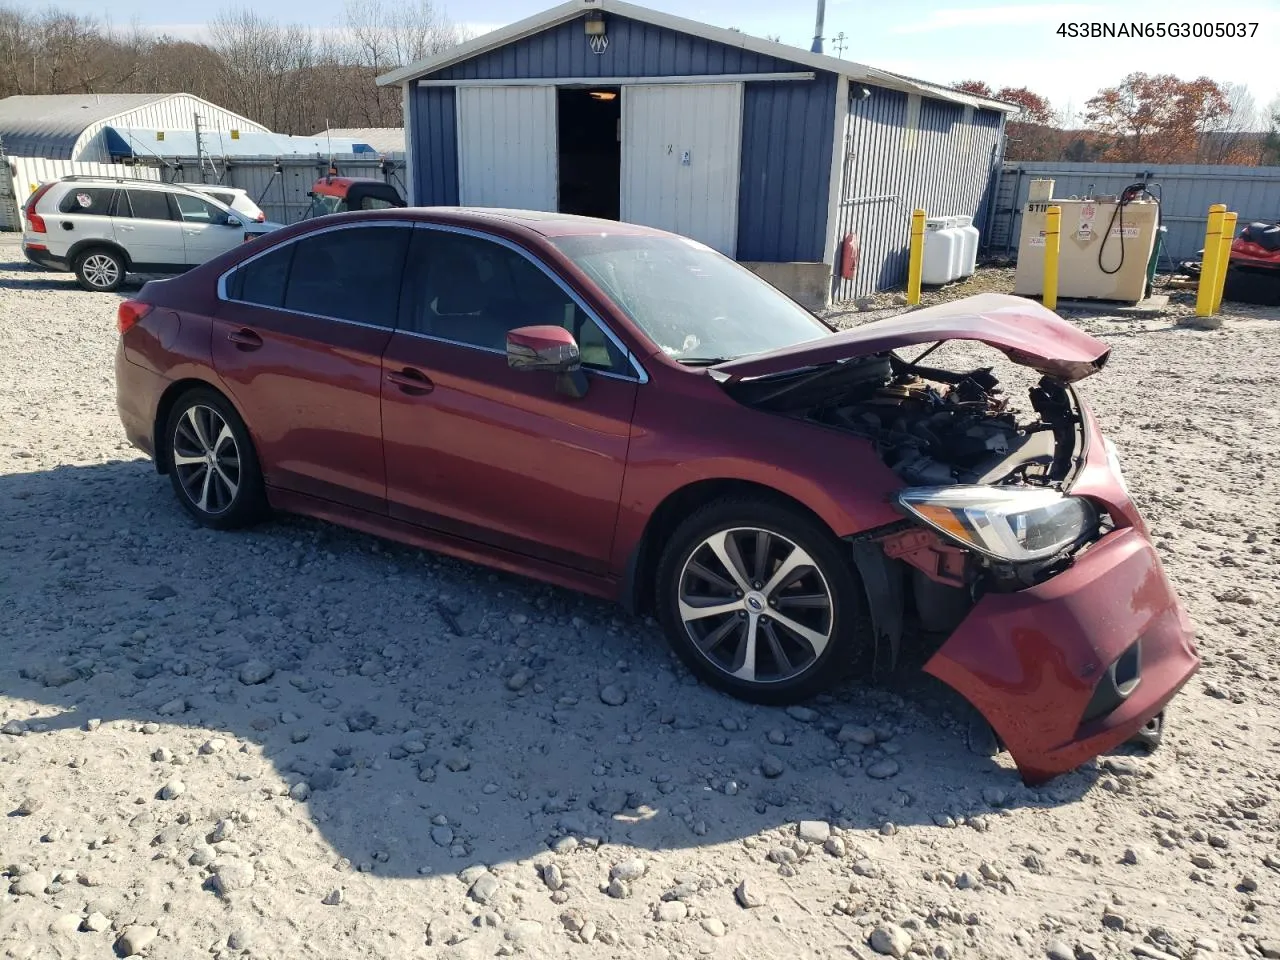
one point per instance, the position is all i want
(766, 152)
(76, 126)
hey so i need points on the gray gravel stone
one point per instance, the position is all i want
(890, 940)
(29, 885)
(135, 939)
(173, 790)
(231, 874)
(813, 831)
(883, 769)
(749, 895)
(484, 888)
(613, 695)
(256, 671)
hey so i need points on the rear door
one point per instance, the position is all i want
(298, 341)
(147, 228)
(83, 213)
(206, 231)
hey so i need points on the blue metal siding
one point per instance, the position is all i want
(435, 146)
(786, 169)
(635, 50)
(945, 167)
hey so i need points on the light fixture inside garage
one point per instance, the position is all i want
(595, 24)
(603, 95)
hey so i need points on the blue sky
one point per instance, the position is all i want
(1002, 41)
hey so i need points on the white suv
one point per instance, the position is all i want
(101, 229)
(235, 198)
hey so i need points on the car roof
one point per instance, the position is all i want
(548, 224)
(213, 186)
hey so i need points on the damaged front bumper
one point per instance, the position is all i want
(1076, 665)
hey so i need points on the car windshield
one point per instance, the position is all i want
(698, 306)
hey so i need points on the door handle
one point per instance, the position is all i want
(411, 381)
(245, 339)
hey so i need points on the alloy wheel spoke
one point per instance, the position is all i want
(797, 562)
(775, 647)
(193, 416)
(709, 607)
(725, 548)
(805, 601)
(817, 641)
(719, 634)
(762, 555)
(228, 487)
(709, 575)
(224, 436)
(184, 460)
(203, 502)
(748, 669)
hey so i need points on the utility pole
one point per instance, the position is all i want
(817, 30)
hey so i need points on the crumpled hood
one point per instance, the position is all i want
(1023, 330)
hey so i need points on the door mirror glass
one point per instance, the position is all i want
(233, 222)
(548, 348)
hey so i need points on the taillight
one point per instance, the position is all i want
(129, 313)
(34, 220)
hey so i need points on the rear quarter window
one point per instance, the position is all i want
(93, 201)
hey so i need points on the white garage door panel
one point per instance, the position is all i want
(507, 147)
(681, 149)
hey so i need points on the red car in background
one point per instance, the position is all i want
(334, 194)
(628, 413)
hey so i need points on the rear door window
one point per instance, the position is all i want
(147, 205)
(262, 281)
(91, 201)
(351, 274)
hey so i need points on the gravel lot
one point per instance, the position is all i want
(302, 742)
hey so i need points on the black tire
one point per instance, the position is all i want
(1151, 735)
(247, 503)
(99, 269)
(844, 618)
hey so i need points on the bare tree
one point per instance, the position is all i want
(1232, 137)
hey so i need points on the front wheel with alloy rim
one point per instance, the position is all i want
(758, 600)
(212, 463)
(100, 271)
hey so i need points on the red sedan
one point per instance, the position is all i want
(627, 413)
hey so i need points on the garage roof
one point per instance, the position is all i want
(575, 8)
(31, 125)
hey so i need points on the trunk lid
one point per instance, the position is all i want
(1023, 330)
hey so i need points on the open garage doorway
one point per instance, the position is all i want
(589, 123)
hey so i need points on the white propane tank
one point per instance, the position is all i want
(968, 246)
(941, 251)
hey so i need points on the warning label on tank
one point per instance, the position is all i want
(1084, 230)
(1128, 231)
(1036, 241)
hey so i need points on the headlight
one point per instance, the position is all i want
(1113, 461)
(1008, 523)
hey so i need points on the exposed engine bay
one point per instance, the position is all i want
(932, 426)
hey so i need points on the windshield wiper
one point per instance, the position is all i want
(701, 361)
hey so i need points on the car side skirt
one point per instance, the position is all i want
(287, 501)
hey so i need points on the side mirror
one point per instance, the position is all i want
(551, 349)
(233, 222)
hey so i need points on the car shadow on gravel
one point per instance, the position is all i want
(438, 713)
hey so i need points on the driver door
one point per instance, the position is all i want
(206, 231)
(491, 454)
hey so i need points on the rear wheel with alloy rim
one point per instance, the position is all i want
(101, 271)
(212, 463)
(758, 600)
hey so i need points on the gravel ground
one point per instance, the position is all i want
(302, 742)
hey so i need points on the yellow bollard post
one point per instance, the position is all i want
(1224, 258)
(1052, 237)
(1209, 264)
(915, 265)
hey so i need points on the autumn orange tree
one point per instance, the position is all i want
(1031, 134)
(1156, 118)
